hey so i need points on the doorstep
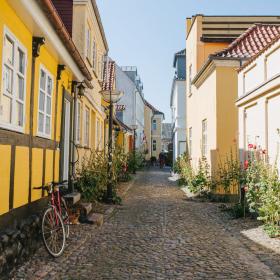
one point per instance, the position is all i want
(72, 198)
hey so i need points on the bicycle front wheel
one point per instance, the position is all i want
(53, 232)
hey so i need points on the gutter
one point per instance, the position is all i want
(208, 62)
(61, 30)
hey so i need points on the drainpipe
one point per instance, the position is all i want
(60, 68)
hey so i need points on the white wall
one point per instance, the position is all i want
(259, 103)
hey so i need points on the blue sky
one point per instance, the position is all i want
(147, 33)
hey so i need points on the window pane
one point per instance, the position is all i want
(43, 80)
(8, 80)
(20, 93)
(41, 123)
(49, 89)
(49, 105)
(9, 51)
(21, 61)
(19, 114)
(48, 125)
(7, 109)
(42, 101)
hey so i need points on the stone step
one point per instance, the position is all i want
(72, 198)
(86, 207)
(96, 218)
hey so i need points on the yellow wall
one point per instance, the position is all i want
(5, 152)
(47, 58)
(21, 183)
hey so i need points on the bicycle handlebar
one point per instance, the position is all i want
(46, 187)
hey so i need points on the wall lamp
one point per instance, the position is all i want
(78, 86)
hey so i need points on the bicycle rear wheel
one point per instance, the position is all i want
(53, 232)
(65, 217)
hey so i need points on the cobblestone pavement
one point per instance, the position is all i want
(156, 234)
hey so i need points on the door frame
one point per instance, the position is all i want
(66, 96)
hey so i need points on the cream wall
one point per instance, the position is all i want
(213, 99)
(202, 105)
(84, 17)
(259, 103)
(156, 134)
(147, 129)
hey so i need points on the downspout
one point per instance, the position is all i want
(60, 68)
(72, 162)
(37, 42)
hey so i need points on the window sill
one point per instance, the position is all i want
(12, 127)
(41, 135)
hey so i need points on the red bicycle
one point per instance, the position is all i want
(55, 221)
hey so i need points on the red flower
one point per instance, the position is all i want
(250, 146)
(246, 164)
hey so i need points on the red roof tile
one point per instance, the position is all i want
(251, 42)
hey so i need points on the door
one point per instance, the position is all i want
(66, 140)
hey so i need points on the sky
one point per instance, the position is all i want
(147, 33)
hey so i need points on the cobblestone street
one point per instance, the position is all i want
(156, 234)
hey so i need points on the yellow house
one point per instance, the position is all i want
(83, 22)
(153, 130)
(124, 136)
(211, 84)
(39, 61)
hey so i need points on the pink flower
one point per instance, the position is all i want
(250, 146)
(246, 164)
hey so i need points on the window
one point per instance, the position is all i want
(14, 83)
(190, 79)
(154, 124)
(86, 130)
(93, 54)
(190, 141)
(78, 122)
(154, 145)
(204, 138)
(102, 67)
(45, 103)
(88, 43)
(97, 133)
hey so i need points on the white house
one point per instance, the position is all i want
(130, 108)
(178, 105)
(259, 101)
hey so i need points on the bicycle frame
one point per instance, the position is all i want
(55, 202)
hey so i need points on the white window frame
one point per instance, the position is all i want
(154, 145)
(97, 133)
(78, 122)
(17, 45)
(94, 54)
(86, 126)
(88, 42)
(190, 141)
(48, 75)
(154, 125)
(190, 80)
(204, 138)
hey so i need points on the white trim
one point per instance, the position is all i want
(17, 45)
(86, 140)
(78, 122)
(48, 74)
